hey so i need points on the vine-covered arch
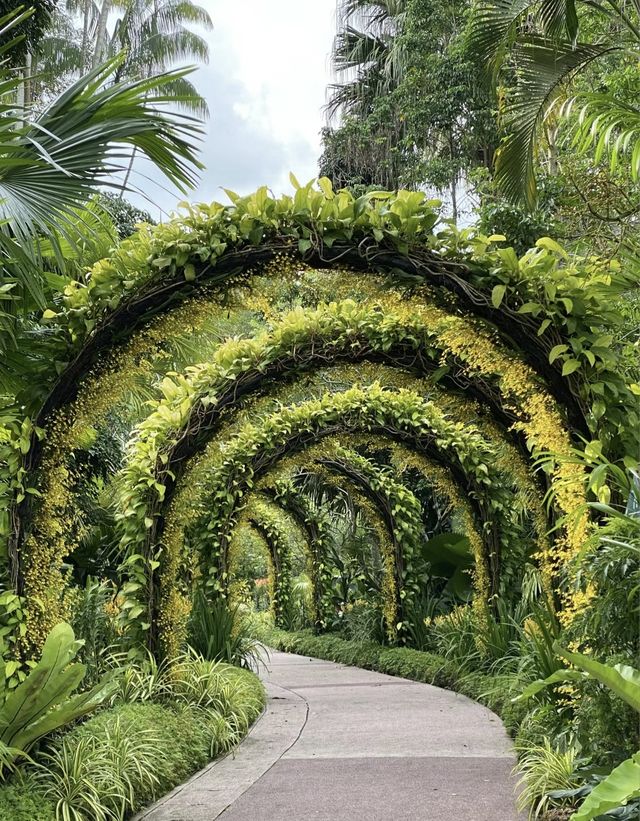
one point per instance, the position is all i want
(215, 244)
(191, 408)
(456, 304)
(402, 414)
(401, 513)
(269, 525)
(304, 339)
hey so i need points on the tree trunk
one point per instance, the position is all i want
(454, 193)
(454, 200)
(101, 29)
(28, 83)
(129, 169)
(553, 150)
(85, 34)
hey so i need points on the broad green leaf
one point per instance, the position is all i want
(540, 684)
(570, 366)
(556, 351)
(618, 788)
(497, 295)
(622, 679)
(551, 245)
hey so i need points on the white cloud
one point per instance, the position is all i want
(265, 86)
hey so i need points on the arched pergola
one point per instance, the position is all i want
(465, 312)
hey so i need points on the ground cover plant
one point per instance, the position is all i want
(156, 726)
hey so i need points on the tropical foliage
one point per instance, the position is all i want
(41, 700)
(332, 421)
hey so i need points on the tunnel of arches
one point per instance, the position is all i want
(226, 366)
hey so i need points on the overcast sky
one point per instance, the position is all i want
(265, 86)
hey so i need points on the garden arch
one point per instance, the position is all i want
(555, 328)
(256, 448)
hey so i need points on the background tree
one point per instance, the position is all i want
(125, 216)
(31, 29)
(413, 110)
(544, 50)
(151, 34)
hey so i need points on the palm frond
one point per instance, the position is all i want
(367, 53)
(543, 71)
(173, 15)
(610, 126)
(162, 48)
(494, 27)
(53, 164)
(353, 49)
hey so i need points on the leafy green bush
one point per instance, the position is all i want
(621, 785)
(128, 755)
(43, 702)
(542, 722)
(20, 801)
(455, 636)
(363, 621)
(419, 666)
(600, 714)
(92, 624)
(124, 758)
(217, 632)
(545, 769)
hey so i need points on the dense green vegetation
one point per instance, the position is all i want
(162, 725)
(334, 421)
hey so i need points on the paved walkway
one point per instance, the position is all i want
(338, 743)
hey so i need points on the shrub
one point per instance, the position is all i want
(363, 621)
(602, 715)
(93, 623)
(20, 801)
(179, 716)
(218, 632)
(544, 721)
(543, 770)
(419, 666)
(455, 635)
(43, 702)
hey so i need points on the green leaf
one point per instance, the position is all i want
(622, 679)
(555, 352)
(570, 366)
(540, 684)
(618, 788)
(551, 245)
(43, 702)
(497, 295)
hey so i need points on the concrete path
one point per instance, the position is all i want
(338, 743)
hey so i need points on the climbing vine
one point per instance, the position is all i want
(528, 339)
(255, 447)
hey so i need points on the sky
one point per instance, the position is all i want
(265, 86)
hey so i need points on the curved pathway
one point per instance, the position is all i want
(339, 743)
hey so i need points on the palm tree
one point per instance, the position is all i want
(368, 60)
(367, 53)
(538, 42)
(151, 34)
(51, 164)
